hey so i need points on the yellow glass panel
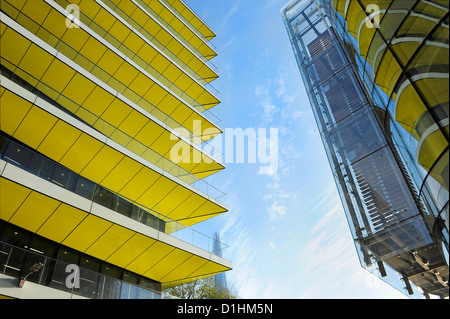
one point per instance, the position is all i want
(160, 189)
(126, 73)
(12, 111)
(12, 195)
(175, 47)
(431, 148)
(93, 49)
(53, 22)
(160, 63)
(36, 9)
(168, 264)
(128, 252)
(98, 101)
(163, 143)
(191, 204)
(355, 15)
(365, 38)
(34, 211)
(102, 164)
(149, 133)
(207, 74)
(169, 203)
(14, 46)
(122, 173)
(28, 62)
(58, 75)
(415, 26)
(92, 10)
(151, 27)
(134, 122)
(409, 108)
(119, 31)
(141, 84)
(147, 53)
(435, 91)
(103, 17)
(59, 140)
(86, 233)
(206, 209)
(139, 184)
(388, 72)
(195, 220)
(207, 100)
(189, 266)
(110, 62)
(79, 88)
(405, 50)
(139, 16)
(35, 127)
(81, 153)
(116, 112)
(184, 82)
(169, 103)
(150, 257)
(133, 42)
(109, 242)
(76, 37)
(209, 269)
(61, 223)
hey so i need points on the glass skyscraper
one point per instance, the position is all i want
(94, 96)
(376, 73)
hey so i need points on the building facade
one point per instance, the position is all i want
(95, 95)
(376, 73)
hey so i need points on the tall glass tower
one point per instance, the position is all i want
(398, 220)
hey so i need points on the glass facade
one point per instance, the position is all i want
(95, 95)
(391, 219)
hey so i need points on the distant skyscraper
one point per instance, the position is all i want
(94, 95)
(220, 280)
(377, 79)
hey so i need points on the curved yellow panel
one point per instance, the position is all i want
(430, 149)
(409, 108)
(388, 72)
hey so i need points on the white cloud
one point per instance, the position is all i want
(277, 211)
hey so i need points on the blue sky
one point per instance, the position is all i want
(287, 232)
